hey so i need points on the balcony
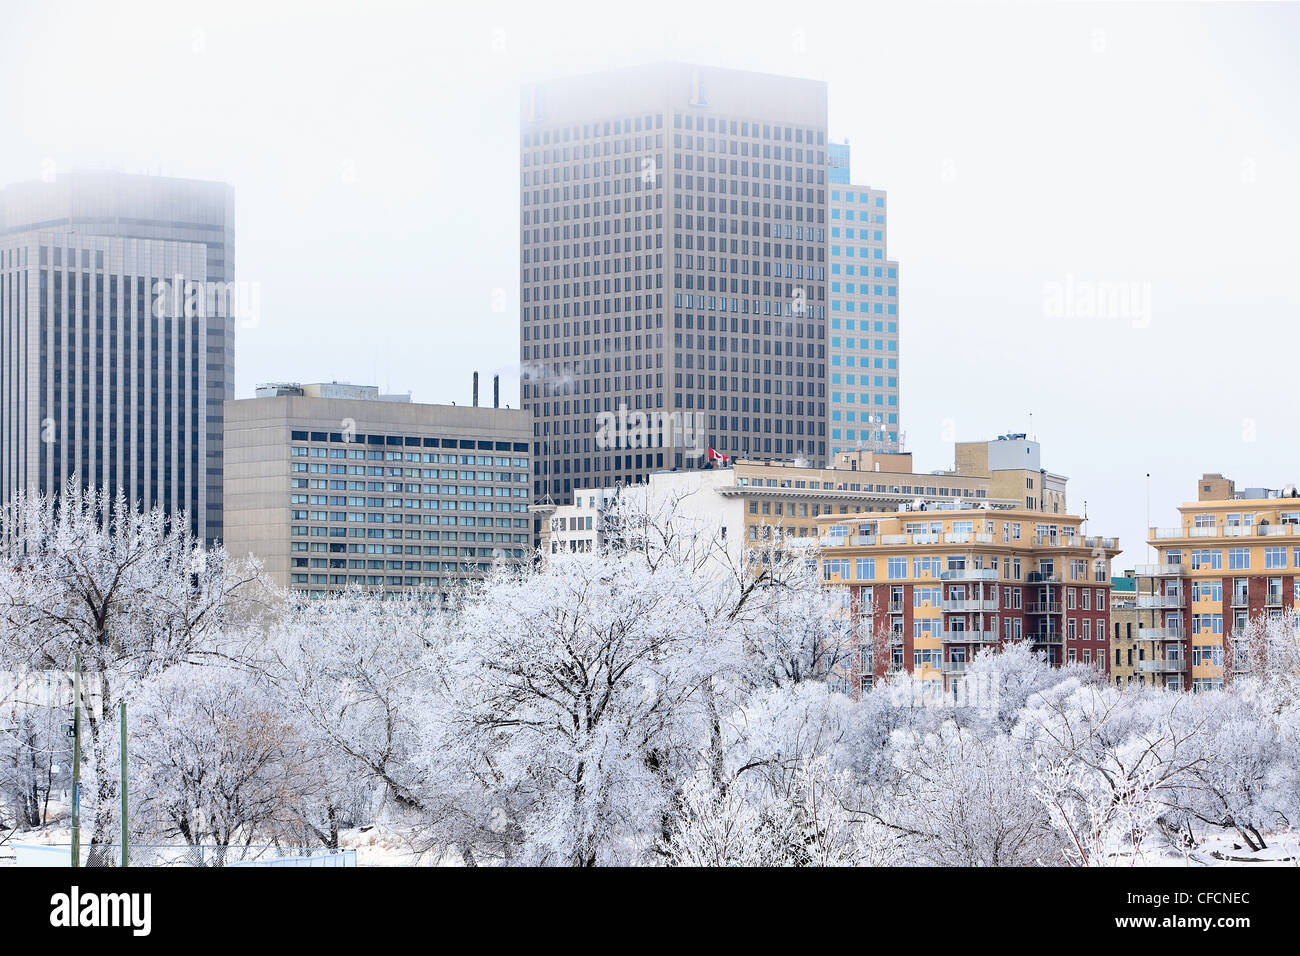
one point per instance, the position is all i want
(955, 667)
(1042, 577)
(957, 604)
(862, 540)
(1043, 607)
(969, 574)
(1164, 665)
(895, 637)
(1239, 599)
(1272, 530)
(1273, 599)
(1106, 544)
(1160, 634)
(1160, 570)
(1045, 637)
(895, 607)
(1160, 600)
(1238, 530)
(970, 637)
(967, 537)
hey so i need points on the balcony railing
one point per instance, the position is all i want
(1165, 665)
(955, 667)
(862, 540)
(1229, 531)
(969, 574)
(967, 537)
(970, 637)
(895, 607)
(1045, 637)
(1160, 634)
(1160, 600)
(1160, 570)
(1043, 607)
(1097, 542)
(968, 604)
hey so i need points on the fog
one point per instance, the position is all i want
(1029, 152)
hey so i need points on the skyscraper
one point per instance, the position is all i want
(673, 265)
(98, 377)
(862, 315)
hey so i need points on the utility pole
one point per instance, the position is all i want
(124, 832)
(76, 762)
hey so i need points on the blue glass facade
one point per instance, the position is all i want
(862, 315)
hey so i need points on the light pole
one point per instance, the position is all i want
(125, 840)
(76, 762)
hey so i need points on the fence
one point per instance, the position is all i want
(109, 855)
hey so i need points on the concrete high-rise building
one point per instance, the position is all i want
(336, 485)
(862, 315)
(673, 263)
(97, 379)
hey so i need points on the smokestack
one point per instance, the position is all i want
(476, 389)
(496, 391)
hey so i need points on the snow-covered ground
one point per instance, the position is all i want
(1226, 849)
(381, 845)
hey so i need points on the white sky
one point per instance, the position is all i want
(373, 150)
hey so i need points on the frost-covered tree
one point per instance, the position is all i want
(217, 761)
(784, 798)
(1108, 765)
(583, 685)
(34, 754)
(131, 592)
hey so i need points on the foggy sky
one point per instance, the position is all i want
(373, 149)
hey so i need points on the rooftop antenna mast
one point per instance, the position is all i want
(1150, 549)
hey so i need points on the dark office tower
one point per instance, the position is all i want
(99, 377)
(672, 271)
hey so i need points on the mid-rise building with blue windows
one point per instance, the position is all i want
(862, 315)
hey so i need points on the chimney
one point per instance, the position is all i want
(496, 391)
(476, 389)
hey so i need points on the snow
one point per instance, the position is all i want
(663, 704)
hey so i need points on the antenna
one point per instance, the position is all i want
(1151, 554)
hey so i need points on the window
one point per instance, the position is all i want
(897, 568)
(1207, 558)
(1238, 559)
(1275, 557)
